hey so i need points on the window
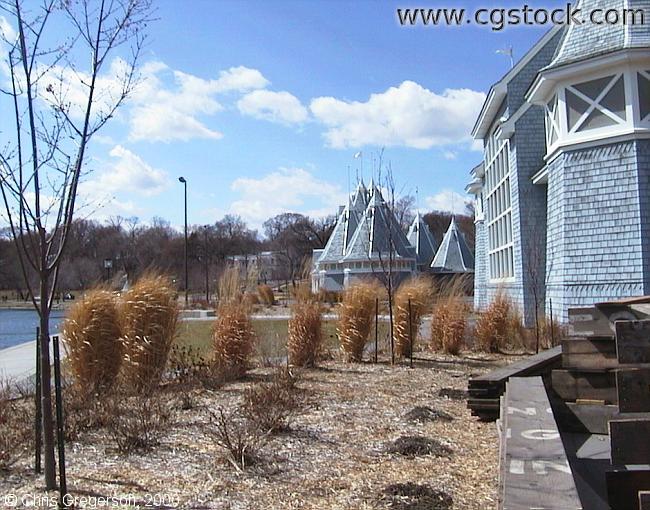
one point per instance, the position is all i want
(643, 82)
(595, 104)
(498, 210)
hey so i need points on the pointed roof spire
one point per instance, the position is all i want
(453, 256)
(422, 240)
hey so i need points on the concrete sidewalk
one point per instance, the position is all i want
(19, 362)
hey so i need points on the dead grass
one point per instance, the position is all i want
(92, 332)
(149, 317)
(499, 326)
(16, 426)
(449, 317)
(418, 292)
(266, 295)
(356, 318)
(233, 338)
(305, 332)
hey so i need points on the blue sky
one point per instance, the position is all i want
(262, 105)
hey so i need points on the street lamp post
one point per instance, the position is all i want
(184, 182)
(206, 260)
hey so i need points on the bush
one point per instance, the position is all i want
(329, 296)
(356, 318)
(270, 407)
(235, 436)
(419, 291)
(498, 326)
(16, 427)
(137, 421)
(304, 330)
(266, 295)
(92, 332)
(149, 317)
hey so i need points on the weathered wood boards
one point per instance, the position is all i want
(633, 387)
(623, 487)
(630, 439)
(593, 353)
(644, 500)
(575, 384)
(484, 391)
(633, 341)
(535, 472)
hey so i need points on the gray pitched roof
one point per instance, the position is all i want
(589, 40)
(453, 256)
(421, 238)
(376, 228)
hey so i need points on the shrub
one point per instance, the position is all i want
(419, 291)
(149, 316)
(356, 318)
(266, 295)
(304, 329)
(16, 427)
(136, 421)
(329, 296)
(270, 406)
(92, 333)
(498, 326)
(235, 436)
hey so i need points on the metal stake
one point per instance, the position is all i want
(410, 334)
(376, 327)
(38, 423)
(60, 426)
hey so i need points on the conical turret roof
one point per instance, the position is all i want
(453, 256)
(422, 240)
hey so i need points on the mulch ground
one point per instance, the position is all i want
(341, 451)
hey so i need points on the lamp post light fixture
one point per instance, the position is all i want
(183, 181)
(108, 264)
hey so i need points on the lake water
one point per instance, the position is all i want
(18, 326)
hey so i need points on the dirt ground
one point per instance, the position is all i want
(340, 451)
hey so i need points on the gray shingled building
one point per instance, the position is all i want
(563, 193)
(360, 244)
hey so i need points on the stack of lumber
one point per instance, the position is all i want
(484, 391)
(628, 482)
(534, 471)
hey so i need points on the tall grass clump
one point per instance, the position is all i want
(449, 318)
(419, 291)
(16, 431)
(92, 332)
(232, 335)
(266, 295)
(305, 328)
(499, 325)
(149, 317)
(356, 318)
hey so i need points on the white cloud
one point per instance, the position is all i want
(408, 115)
(281, 107)
(128, 173)
(447, 200)
(7, 33)
(284, 190)
(450, 155)
(164, 114)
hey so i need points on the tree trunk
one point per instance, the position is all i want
(46, 386)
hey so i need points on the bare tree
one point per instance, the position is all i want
(61, 89)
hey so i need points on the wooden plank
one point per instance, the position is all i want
(589, 321)
(532, 365)
(589, 345)
(535, 469)
(590, 418)
(633, 341)
(630, 442)
(644, 500)
(633, 388)
(573, 385)
(623, 487)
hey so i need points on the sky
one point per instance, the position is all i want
(263, 105)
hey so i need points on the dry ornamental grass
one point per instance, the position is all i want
(149, 317)
(449, 318)
(92, 337)
(498, 326)
(419, 291)
(356, 318)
